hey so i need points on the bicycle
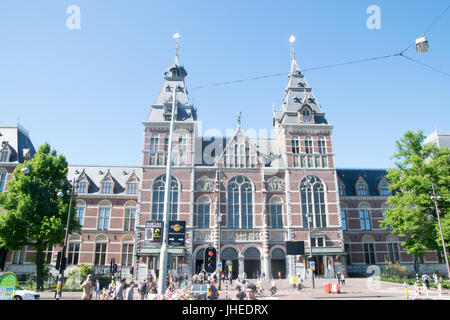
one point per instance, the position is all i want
(261, 292)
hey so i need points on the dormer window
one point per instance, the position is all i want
(82, 187)
(306, 114)
(107, 184)
(341, 189)
(2, 179)
(106, 187)
(383, 188)
(361, 187)
(4, 155)
(132, 184)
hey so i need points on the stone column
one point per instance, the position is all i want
(266, 247)
(241, 264)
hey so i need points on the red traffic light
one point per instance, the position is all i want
(210, 253)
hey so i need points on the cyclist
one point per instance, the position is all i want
(273, 287)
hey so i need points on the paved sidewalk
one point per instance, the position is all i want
(355, 289)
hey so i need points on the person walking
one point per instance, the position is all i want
(112, 290)
(104, 295)
(97, 289)
(425, 279)
(120, 292)
(338, 276)
(342, 279)
(437, 283)
(129, 293)
(87, 288)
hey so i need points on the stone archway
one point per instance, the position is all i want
(278, 263)
(229, 254)
(252, 262)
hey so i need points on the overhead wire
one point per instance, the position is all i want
(400, 54)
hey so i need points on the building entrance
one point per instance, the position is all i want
(278, 264)
(229, 254)
(320, 267)
(252, 263)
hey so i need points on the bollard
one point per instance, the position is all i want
(416, 290)
(439, 289)
(406, 289)
(226, 288)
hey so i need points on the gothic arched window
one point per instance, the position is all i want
(240, 203)
(203, 212)
(308, 145)
(276, 212)
(313, 202)
(159, 186)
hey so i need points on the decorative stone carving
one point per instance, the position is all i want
(241, 236)
(275, 185)
(277, 235)
(205, 184)
(202, 235)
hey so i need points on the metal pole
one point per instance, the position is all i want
(310, 249)
(219, 221)
(440, 229)
(63, 255)
(164, 246)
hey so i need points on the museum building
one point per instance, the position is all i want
(244, 196)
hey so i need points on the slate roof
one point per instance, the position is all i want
(372, 177)
(18, 140)
(185, 111)
(297, 94)
(264, 147)
(95, 175)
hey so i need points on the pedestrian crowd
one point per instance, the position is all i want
(121, 290)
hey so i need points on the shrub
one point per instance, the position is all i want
(396, 271)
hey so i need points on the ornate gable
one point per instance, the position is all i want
(239, 152)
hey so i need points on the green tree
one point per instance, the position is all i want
(33, 214)
(411, 213)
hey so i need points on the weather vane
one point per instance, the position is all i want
(177, 47)
(291, 41)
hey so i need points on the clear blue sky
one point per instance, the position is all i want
(87, 91)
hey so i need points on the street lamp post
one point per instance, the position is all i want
(164, 245)
(310, 249)
(63, 255)
(305, 187)
(440, 227)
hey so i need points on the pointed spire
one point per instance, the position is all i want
(177, 48)
(294, 65)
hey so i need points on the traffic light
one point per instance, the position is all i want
(210, 260)
(58, 260)
(111, 265)
(131, 270)
(115, 268)
(61, 261)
